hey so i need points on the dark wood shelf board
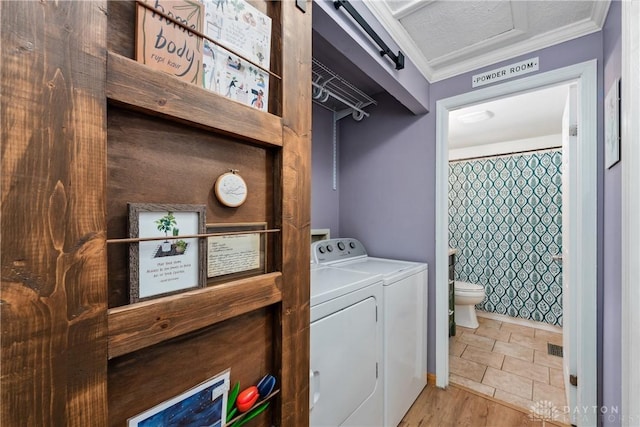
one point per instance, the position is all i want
(136, 326)
(136, 86)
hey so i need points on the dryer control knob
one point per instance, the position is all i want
(320, 249)
(341, 246)
(352, 245)
(329, 248)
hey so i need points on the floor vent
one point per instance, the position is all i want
(554, 350)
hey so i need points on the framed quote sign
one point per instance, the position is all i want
(167, 263)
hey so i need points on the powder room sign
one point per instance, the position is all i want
(503, 73)
(164, 45)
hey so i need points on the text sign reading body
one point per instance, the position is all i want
(503, 73)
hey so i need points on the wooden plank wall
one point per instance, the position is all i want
(54, 282)
(152, 160)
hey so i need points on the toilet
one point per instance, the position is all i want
(467, 295)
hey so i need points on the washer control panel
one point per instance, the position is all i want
(330, 250)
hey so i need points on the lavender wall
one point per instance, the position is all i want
(324, 199)
(387, 166)
(612, 286)
(385, 189)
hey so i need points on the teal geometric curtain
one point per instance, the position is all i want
(505, 219)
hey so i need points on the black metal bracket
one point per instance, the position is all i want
(398, 59)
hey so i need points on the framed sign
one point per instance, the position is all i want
(612, 125)
(167, 263)
(236, 255)
(203, 405)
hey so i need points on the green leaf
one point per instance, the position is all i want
(251, 415)
(231, 400)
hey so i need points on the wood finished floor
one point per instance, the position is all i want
(456, 406)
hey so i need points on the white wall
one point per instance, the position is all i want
(507, 147)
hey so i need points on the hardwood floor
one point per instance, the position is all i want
(456, 406)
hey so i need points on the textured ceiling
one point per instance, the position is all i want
(445, 38)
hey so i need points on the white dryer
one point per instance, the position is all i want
(404, 319)
(345, 379)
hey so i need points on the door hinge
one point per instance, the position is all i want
(573, 380)
(573, 130)
(376, 313)
(376, 369)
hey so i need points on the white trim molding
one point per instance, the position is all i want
(582, 229)
(518, 321)
(630, 157)
(485, 53)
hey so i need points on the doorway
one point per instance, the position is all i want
(581, 232)
(505, 225)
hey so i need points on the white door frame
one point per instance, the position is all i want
(583, 227)
(630, 157)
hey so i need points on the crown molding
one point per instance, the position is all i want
(381, 11)
(600, 11)
(434, 73)
(538, 42)
(409, 8)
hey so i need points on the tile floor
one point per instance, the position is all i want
(508, 362)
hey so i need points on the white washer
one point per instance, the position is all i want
(345, 379)
(404, 319)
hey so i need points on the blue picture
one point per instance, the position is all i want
(202, 406)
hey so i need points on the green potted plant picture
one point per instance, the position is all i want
(165, 224)
(181, 246)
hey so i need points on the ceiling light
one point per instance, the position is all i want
(476, 116)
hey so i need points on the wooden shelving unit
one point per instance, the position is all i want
(88, 129)
(136, 86)
(136, 326)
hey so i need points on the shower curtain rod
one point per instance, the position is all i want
(511, 153)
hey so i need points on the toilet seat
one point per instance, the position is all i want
(468, 288)
(467, 295)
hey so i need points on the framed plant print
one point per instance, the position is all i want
(165, 262)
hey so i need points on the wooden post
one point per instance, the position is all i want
(296, 212)
(54, 300)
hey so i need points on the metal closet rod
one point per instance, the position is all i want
(323, 90)
(397, 59)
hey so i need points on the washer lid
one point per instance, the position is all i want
(466, 286)
(392, 270)
(328, 283)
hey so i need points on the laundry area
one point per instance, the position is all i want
(268, 226)
(379, 389)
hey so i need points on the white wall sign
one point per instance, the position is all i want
(503, 73)
(233, 254)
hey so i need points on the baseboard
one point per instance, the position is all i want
(518, 321)
(431, 379)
